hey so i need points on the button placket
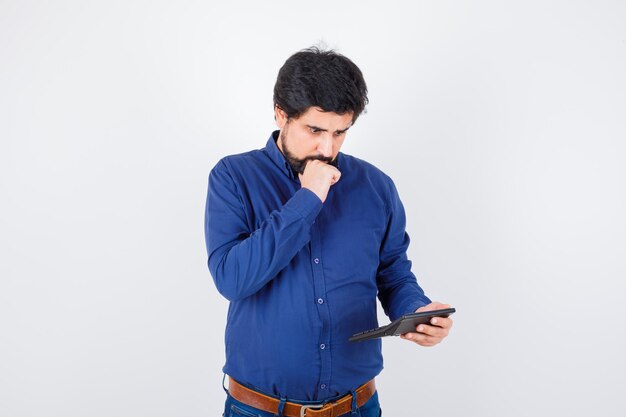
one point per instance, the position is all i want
(322, 305)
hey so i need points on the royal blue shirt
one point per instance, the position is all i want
(302, 276)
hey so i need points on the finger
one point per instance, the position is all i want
(432, 330)
(444, 322)
(336, 176)
(435, 305)
(421, 339)
(309, 164)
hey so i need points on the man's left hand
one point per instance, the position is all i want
(430, 335)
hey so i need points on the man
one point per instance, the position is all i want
(301, 239)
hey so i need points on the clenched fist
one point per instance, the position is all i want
(318, 177)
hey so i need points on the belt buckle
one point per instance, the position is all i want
(303, 408)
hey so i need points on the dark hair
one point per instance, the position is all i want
(320, 78)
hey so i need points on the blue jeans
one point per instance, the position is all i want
(234, 408)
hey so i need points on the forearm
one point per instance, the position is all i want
(242, 267)
(400, 294)
(398, 289)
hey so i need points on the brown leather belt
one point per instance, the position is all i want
(263, 402)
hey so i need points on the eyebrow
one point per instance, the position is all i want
(326, 130)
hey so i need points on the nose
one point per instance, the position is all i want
(325, 146)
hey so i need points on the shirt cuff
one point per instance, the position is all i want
(305, 203)
(417, 304)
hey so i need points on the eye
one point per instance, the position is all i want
(314, 130)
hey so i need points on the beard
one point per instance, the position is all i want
(299, 165)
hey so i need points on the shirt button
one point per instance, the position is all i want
(323, 386)
(320, 301)
(322, 346)
(316, 260)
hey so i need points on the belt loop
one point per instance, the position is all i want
(355, 409)
(223, 386)
(281, 406)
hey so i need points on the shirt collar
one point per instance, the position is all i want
(271, 149)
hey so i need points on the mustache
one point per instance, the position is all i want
(326, 159)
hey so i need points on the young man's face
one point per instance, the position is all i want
(314, 135)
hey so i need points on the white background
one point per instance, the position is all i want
(502, 124)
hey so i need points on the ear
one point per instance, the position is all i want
(280, 116)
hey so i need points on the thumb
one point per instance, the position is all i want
(435, 305)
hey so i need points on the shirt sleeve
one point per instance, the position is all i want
(242, 261)
(398, 290)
